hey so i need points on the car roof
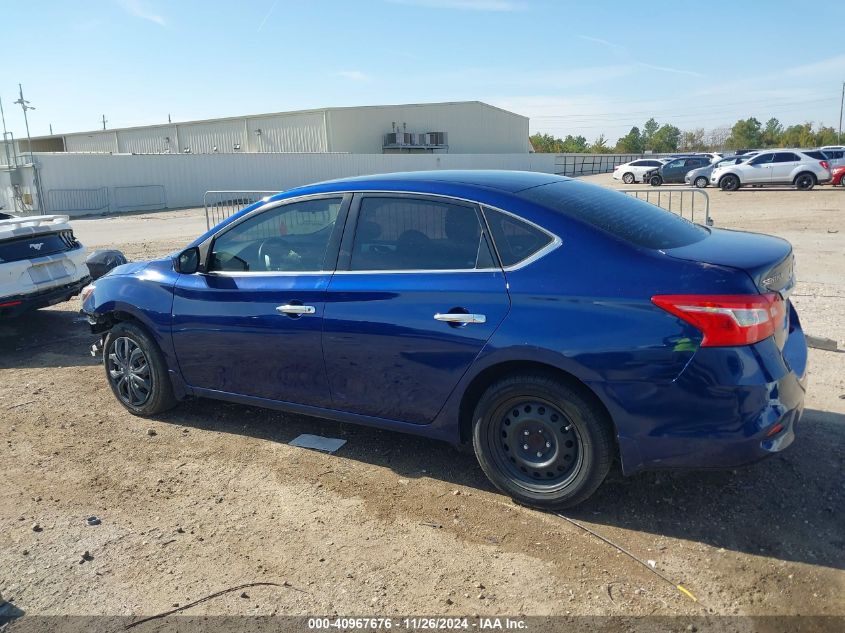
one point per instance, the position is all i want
(490, 179)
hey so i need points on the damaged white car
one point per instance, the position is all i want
(41, 263)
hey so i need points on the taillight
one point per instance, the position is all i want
(727, 320)
(823, 163)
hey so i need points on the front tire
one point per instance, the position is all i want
(655, 181)
(136, 370)
(701, 182)
(541, 441)
(729, 182)
(628, 178)
(805, 181)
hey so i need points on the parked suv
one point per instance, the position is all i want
(675, 170)
(834, 157)
(41, 263)
(701, 177)
(777, 167)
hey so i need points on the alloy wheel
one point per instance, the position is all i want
(536, 444)
(129, 371)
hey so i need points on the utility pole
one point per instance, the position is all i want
(5, 136)
(51, 129)
(24, 104)
(104, 121)
(841, 103)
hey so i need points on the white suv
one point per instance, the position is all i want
(774, 167)
(41, 263)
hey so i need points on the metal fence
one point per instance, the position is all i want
(588, 164)
(78, 199)
(692, 204)
(220, 205)
(139, 198)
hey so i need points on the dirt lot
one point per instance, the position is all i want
(210, 495)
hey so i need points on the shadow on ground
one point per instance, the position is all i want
(787, 507)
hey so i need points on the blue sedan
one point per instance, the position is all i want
(553, 325)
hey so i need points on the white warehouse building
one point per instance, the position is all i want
(465, 127)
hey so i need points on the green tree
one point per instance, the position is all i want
(746, 133)
(545, 143)
(772, 133)
(666, 139)
(631, 143)
(574, 144)
(599, 146)
(649, 129)
(826, 136)
(693, 140)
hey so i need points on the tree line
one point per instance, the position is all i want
(661, 139)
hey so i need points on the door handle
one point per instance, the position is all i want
(295, 309)
(460, 317)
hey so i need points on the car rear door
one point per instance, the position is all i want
(416, 296)
(783, 165)
(251, 323)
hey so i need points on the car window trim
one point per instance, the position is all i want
(332, 248)
(345, 256)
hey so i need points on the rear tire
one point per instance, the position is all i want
(804, 181)
(136, 370)
(729, 182)
(628, 178)
(701, 182)
(541, 441)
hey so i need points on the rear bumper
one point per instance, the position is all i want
(729, 407)
(19, 304)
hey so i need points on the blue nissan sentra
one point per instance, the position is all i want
(551, 324)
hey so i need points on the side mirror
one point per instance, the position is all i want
(188, 261)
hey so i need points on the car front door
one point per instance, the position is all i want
(672, 170)
(416, 296)
(783, 165)
(250, 323)
(758, 170)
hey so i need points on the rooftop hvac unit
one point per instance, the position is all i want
(391, 138)
(437, 138)
(399, 138)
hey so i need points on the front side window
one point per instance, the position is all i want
(515, 240)
(762, 159)
(418, 234)
(290, 238)
(675, 163)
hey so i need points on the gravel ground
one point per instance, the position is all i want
(210, 495)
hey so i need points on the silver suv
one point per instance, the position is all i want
(774, 167)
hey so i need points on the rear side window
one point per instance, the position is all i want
(786, 157)
(515, 240)
(418, 234)
(623, 216)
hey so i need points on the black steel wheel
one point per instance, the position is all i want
(136, 370)
(541, 441)
(628, 178)
(535, 443)
(729, 182)
(805, 181)
(701, 182)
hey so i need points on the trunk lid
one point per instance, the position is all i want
(766, 259)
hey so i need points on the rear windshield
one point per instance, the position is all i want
(623, 216)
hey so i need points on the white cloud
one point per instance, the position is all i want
(464, 5)
(138, 9)
(354, 75)
(598, 40)
(667, 69)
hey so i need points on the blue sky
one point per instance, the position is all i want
(584, 67)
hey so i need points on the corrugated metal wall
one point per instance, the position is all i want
(472, 128)
(184, 178)
(156, 140)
